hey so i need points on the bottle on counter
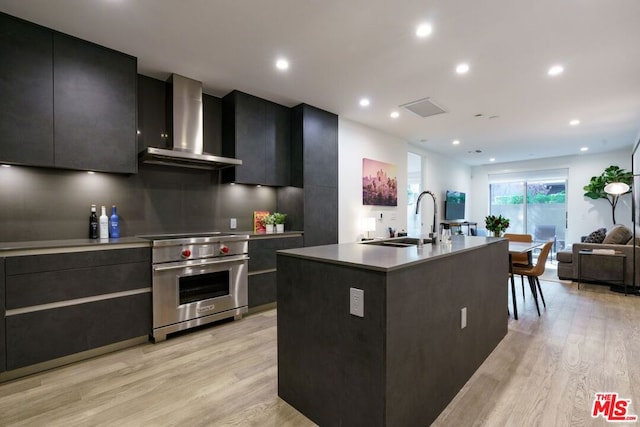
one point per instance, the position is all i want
(93, 223)
(104, 224)
(114, 223)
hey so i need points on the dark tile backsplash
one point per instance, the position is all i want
(48, 204)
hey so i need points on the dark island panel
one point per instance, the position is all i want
(404, 361)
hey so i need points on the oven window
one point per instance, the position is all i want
(204, 286)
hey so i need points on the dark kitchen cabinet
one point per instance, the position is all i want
(26, 85)
(94, 107)
(257, 132)
(101, 297)
(152, 125)
(66, 103)
(262, 265)
(212, 124)
(314, 167)
(3, 349)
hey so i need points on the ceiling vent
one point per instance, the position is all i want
(424, 107)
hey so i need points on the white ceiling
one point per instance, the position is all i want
(343, 50)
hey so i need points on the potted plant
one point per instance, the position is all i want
(270, 223)
(279, 219)
(496, 224)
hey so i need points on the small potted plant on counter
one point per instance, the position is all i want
(279, 219)
(270, 223)
(496, 224)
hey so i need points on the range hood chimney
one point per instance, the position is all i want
(187, 131)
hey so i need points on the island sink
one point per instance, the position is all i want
(399, 242)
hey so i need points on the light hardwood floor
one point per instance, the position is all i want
(544, 373)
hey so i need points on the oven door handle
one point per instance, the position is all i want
(225, 260)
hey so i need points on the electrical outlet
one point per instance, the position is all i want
(356, 302)
(380, 215)
(393, 216)
(463, 317)
(233, 223)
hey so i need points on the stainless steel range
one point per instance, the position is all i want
(197, 279)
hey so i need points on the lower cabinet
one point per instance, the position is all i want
(262, 265)
(262, 289)
(56, 305)
(48, 334)
(3, 349)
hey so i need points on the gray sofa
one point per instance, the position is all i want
(601, 268)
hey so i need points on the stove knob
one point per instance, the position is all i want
(224, 249)
(186, 253)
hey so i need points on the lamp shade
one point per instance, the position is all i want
(616, 188)
(368, 224)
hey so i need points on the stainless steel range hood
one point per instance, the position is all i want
(187, 132)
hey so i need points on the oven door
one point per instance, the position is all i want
(191, 289)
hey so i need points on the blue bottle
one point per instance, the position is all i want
(114, 224)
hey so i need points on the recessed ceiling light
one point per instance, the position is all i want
(456, 142)
(555, 70)
(493, 159)
(364, 102)
(574, 122)
(584, 149)
(282, 64)
(394, 115)
(424, 30)
(462, 68)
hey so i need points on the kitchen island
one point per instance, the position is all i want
(403, 361)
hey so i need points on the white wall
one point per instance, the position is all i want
(356, 142)
(584, 214)
(440, 174)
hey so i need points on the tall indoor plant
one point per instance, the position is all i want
(595, 188)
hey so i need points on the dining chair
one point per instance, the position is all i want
(544, 233)
(522, 259)
(533, 272)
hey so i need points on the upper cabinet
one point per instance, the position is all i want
(26, 85)
(258, 132)
(94, 107)
(152, 125)
(67, 103)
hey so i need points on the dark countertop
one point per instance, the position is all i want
(384, 258)
(69, 245)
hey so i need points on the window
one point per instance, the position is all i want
(534, 202)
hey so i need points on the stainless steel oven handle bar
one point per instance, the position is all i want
(188, 264)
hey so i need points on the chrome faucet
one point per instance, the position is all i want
(435, 208)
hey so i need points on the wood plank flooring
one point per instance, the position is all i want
(544, 373)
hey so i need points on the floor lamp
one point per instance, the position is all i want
(616, 189)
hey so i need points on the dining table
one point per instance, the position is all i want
(519, 248)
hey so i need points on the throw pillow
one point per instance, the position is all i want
(619, 235)
(597, 236)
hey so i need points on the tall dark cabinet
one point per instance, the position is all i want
(257, 132)
(314, 167)
(26, 85)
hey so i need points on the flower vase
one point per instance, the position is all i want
(269, 228)
(279, 228)
(497, 233)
